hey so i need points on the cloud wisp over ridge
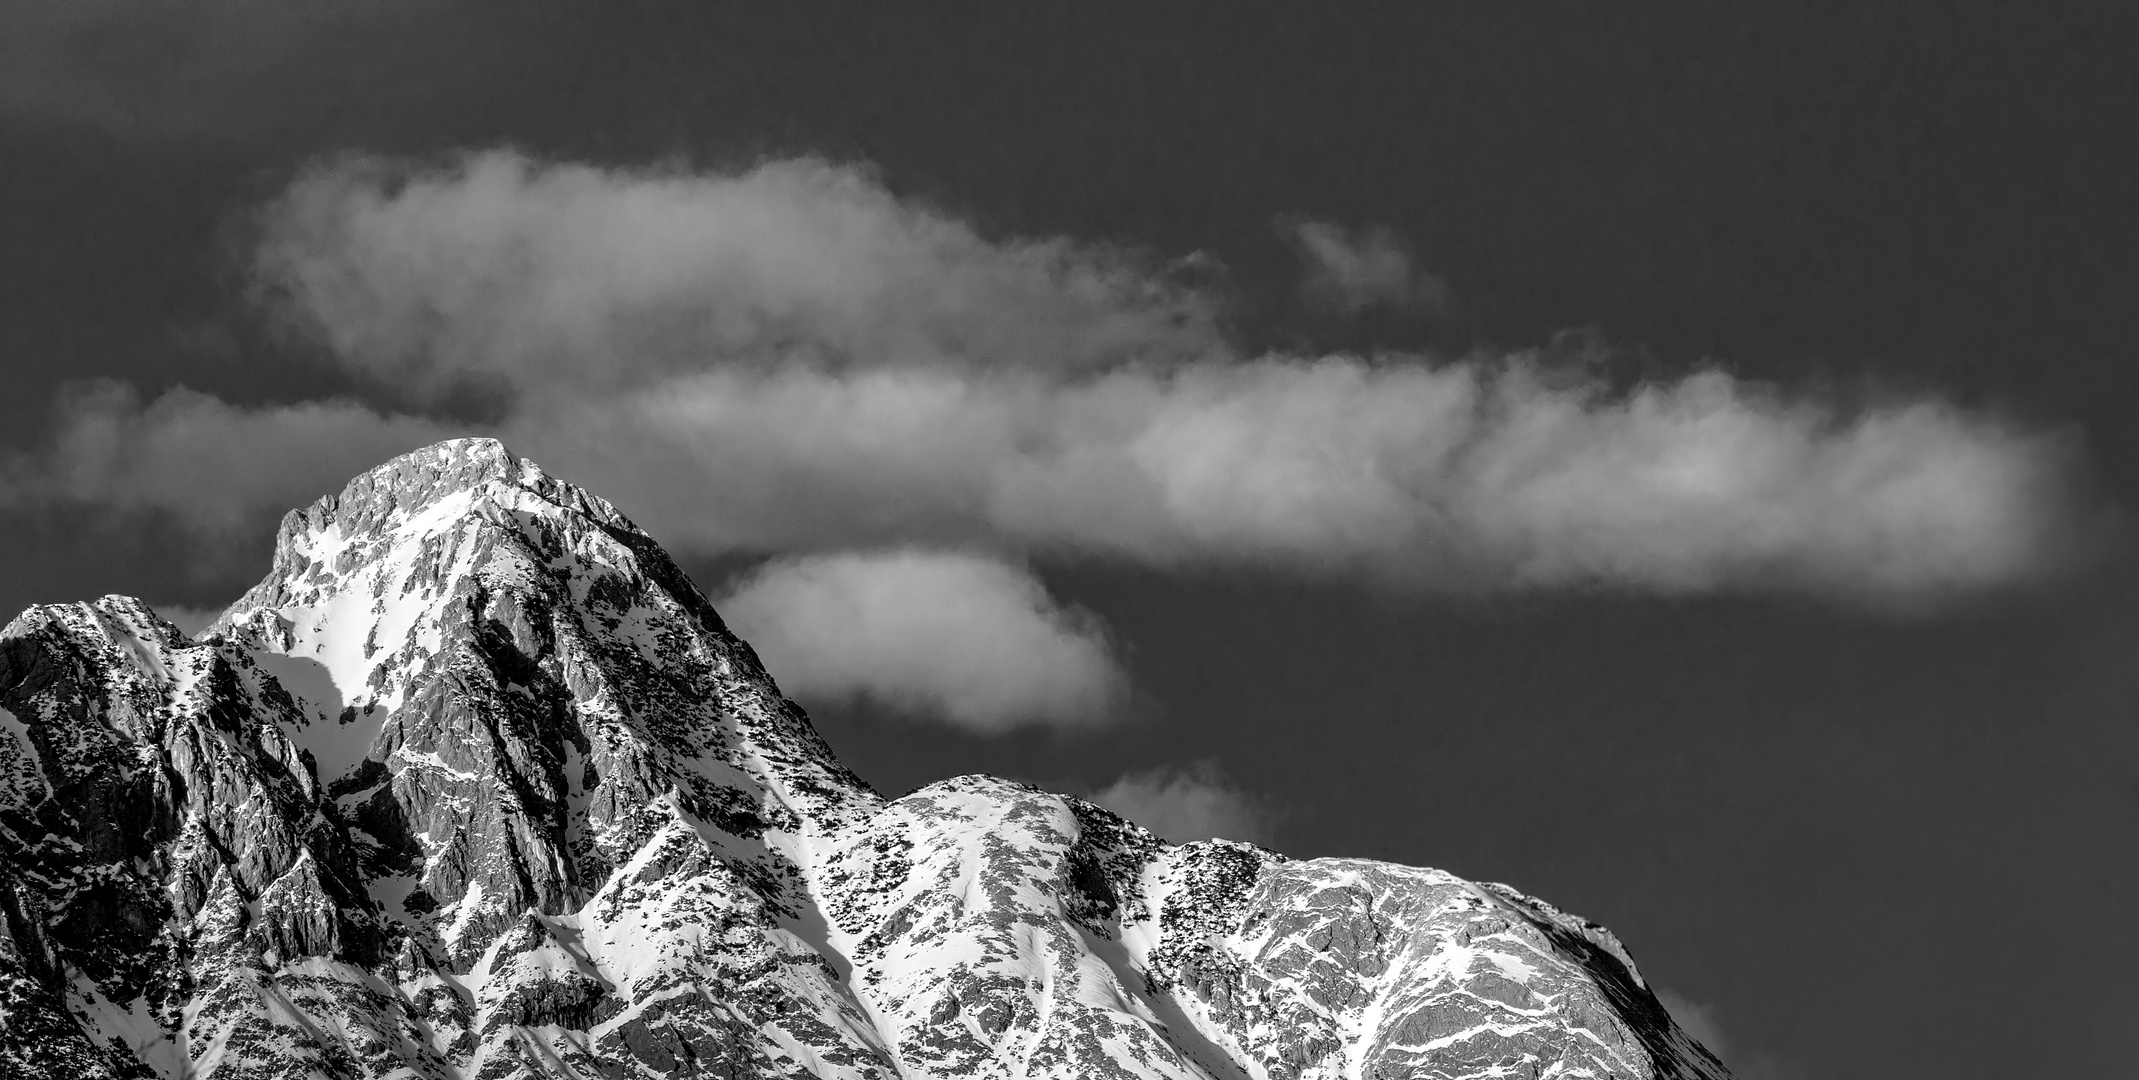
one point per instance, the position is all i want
(791, 358)
(1699, 1020)
(1187, 804)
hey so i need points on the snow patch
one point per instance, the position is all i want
(464, 911)
(336, 747)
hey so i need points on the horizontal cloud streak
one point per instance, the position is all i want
(969, 640)
(791, 359)
(1468, 473)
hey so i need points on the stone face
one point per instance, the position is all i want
(476, 784)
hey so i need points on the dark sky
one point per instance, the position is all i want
(1871, 845)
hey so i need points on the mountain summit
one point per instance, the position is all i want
(476, 784)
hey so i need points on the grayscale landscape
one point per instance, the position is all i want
(639, 540)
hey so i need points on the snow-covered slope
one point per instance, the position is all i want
(476, 785)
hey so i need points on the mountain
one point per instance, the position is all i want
(476, 784)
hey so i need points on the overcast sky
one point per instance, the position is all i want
(1674, 462)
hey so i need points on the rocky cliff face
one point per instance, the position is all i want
(476, 785)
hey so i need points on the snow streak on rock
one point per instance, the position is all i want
(476, 785)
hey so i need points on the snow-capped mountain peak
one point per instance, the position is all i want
(475, 784)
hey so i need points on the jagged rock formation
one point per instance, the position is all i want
(476, 785)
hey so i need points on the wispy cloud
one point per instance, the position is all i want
(1193, 803)
(792, 359)
(1352, 270)
(968, 640)
(1699, 1021)
(218, 467)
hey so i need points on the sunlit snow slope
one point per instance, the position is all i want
(476, 785)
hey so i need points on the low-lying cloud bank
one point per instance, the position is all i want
(970, 640)
(792, 360)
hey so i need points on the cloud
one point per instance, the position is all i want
(539, 278)
(221, 468)
(191, 620)
(967, 639)
(1180, 805)
(1699, 1021)
(791, 359)
(1350, 271)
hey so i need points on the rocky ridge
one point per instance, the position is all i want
(475, 784)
